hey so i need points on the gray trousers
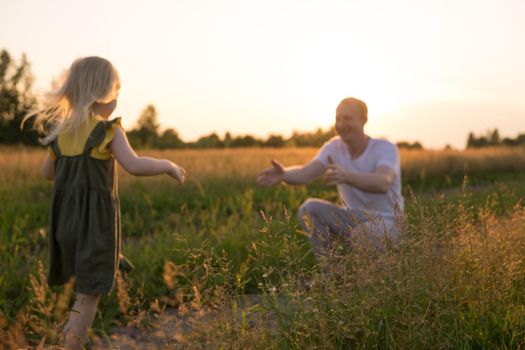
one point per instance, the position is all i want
(328, 222)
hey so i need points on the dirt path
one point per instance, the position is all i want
(174, 329)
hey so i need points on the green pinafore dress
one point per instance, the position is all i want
(85, 218)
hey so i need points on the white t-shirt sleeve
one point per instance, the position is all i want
(326, 150)
(388, 156)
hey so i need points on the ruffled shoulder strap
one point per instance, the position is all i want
(109, 135)
(102, 135)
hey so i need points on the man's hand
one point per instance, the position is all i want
(272, 175)
(336, 174)
(178, 173)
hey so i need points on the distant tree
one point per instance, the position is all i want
(509, 142)
(408, 145)
(274, 141)
(146, 133)
(471, 140)
(227, 140)
(170, 139)
(245, 141)
(518, 141)
(16, 99)
(417, 145)
(404, 144)
(311, 139)
(148, 119)
(493, 137)
(477, 142)
(210, 141)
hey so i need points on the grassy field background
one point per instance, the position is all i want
(456, 281)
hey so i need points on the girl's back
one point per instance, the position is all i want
(82, 156)
(85, 219)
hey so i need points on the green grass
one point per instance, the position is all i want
(457, 282)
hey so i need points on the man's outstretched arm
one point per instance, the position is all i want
(293, 175)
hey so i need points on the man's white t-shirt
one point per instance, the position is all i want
(378, 152)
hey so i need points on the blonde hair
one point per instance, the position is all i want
(363, 109)
(89, 80)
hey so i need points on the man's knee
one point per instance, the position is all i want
(310, 208)
(313, 210)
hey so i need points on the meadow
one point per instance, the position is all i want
(457, 279)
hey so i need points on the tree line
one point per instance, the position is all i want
(147, 134)
(492, 139)
(17, 98)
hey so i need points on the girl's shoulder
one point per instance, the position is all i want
(107, 130)
(96, 130)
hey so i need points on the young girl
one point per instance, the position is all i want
(85, 214)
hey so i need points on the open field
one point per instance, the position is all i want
(456, 281)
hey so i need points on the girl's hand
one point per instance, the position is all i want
(178, 173)
(271, 176)
(336, 174)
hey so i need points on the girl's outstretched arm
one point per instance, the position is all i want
(48, 170)
(142, 166)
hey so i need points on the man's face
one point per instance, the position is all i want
(348, 121)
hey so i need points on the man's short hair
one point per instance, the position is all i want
(363, 109)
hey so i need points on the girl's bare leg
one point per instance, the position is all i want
(80, 319)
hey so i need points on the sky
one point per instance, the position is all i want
(429, 70)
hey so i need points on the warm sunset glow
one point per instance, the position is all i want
(430, 71)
